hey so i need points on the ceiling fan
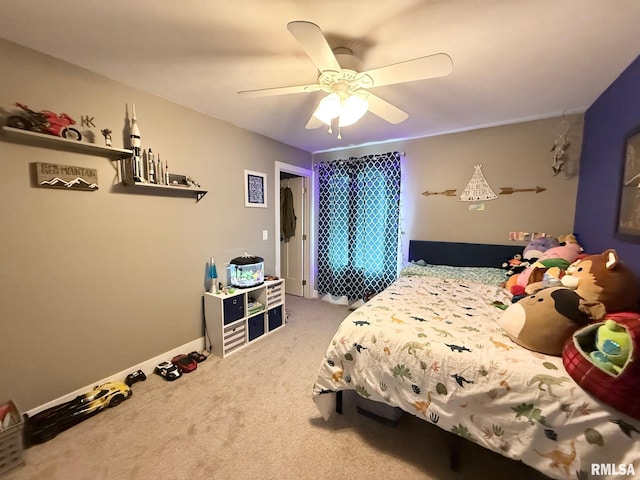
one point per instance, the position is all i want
(347, 86)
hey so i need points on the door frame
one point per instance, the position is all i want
(308, 261)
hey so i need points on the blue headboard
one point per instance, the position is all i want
(462, 254)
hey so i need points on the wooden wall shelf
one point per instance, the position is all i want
(168, 189)
(50, 141)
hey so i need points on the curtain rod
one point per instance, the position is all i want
(354, 159)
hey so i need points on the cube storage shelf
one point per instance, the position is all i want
(11, 442)
(235, 320)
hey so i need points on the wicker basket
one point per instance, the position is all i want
(11, 444)
(620, 391)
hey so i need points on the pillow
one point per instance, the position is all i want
(484, 275)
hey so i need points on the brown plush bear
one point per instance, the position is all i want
(543, 322)
(604, 278)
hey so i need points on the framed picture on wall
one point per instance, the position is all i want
(628, 227)
(255, 189)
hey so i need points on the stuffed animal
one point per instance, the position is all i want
(543, 322)
(612, 347)
(618, 388)
(550, 278)
(535, 248)
(514, 265)
(569, 238)
(604, 278)
(561, 256)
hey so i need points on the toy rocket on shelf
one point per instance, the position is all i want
(151, 167)
(159, 172)
(135, 140)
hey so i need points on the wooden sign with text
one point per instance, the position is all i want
(52, 175)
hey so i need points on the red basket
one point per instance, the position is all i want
(620, 391)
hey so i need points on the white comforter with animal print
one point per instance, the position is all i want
(432, 347)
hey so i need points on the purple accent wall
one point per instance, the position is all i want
(606, 124)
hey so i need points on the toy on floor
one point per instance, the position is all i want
(168, 371)
(185, 363)
(46, 424)
(134, 377)
(197, 356)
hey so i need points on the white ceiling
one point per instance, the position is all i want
(514, 60)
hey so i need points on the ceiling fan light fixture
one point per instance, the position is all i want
(328, 108)
(353, 110)
(347, 111)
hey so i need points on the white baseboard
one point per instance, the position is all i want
(148, 367)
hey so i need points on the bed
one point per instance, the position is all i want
(430, 345)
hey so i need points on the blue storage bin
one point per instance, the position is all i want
(233, 309)
(275, 317)
(256, 326)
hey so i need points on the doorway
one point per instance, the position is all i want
(293, 260)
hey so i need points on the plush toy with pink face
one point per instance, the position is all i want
(563, 255)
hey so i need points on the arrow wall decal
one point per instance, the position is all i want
(509, 190)
(448, 193)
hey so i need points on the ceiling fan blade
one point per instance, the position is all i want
(385, 110)
(315, 45)
(268, 92)
(431, 66)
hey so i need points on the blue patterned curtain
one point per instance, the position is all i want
(358, 221)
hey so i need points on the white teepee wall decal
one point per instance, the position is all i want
(477, 189)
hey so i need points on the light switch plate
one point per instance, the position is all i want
(265, 234)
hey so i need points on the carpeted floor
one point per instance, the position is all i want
(251, 416)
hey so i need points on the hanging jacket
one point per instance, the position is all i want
(287, 214)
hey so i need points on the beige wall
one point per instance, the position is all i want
(92, 283)
(515, 156)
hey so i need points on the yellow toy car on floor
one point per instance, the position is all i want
(45, 425)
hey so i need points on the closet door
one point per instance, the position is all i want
(291, 251)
